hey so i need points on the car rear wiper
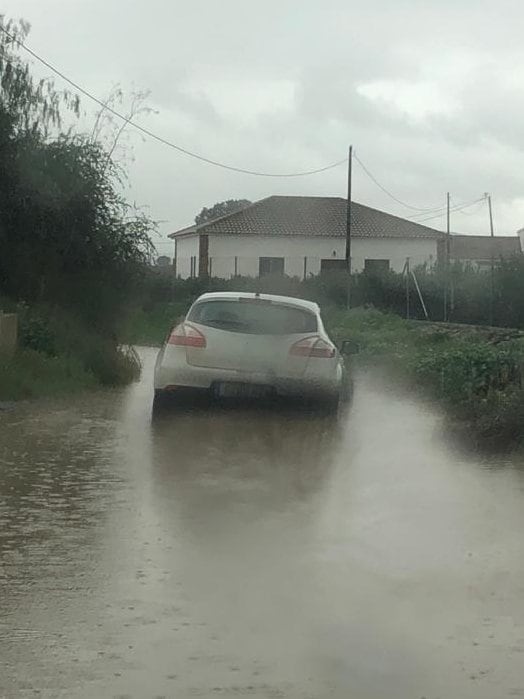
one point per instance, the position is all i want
(222, 322)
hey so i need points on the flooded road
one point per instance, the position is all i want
(250, 554)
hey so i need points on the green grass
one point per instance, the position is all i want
(477, 380)
(30, 374)
(150, 327)
(379, 334)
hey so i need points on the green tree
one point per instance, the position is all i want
(222, 208)
(69, 241)
(27, 105)
(65, 221)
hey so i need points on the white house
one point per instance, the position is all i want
(301, 236)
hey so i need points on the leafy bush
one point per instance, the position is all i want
(500, 419)
(466, 372)
(112, 366)
(34, 331)
(57, 333)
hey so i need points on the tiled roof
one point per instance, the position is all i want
(478, 247)
(312, 216)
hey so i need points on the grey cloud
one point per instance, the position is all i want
(327, 50)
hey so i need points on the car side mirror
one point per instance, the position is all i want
(349, 347)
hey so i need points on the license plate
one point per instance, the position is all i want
(241, 390)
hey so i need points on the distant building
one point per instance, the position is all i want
(301, 236)
(521, 236)
(480, 249)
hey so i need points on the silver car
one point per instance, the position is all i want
(247, 345)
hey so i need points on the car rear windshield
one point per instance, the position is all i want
(255, 317)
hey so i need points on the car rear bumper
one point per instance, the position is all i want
(203, 379)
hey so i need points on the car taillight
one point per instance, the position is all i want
(185, 335)
(313, 347)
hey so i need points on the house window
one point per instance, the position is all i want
(376, 267)
(270, 265)
(330, 265)
(193, 267)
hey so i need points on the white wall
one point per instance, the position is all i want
(396, 250)
(186, 248)
(247, 249)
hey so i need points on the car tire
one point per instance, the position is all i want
(331, 406)
(161, 402)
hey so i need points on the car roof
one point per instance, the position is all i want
(288, 300)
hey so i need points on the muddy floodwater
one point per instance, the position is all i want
(245, 553)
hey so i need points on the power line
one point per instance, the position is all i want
(436, 212)
(160, 139)
(442, 210)
(456, 209)
(419, 216)
(476, 211)
(392, 196)
(453, 209)
(415, 217)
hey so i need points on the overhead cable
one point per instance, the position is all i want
(161, 139)
(453, 209)
(392, 196)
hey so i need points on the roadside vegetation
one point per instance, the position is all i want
(474, 373)
(165, 297)
(31, 374)
(72, 251)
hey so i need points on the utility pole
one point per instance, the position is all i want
(348, 228)
(447, 258)
(492, 234)
(408, 272)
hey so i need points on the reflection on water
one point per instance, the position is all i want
(286, 454)
(252, 553)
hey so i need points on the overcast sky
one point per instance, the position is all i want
(430, 93)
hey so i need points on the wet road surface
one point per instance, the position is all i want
(249, 554)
